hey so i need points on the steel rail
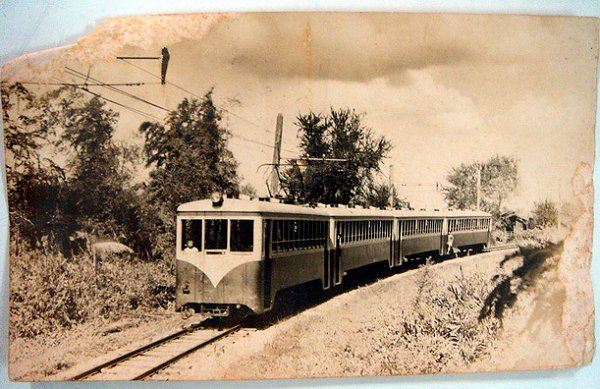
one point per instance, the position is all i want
(186, 352)
(134, 353)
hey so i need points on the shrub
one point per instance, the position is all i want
(443, 331)
(50, 291)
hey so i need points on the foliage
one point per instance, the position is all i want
(91, 192)
(105, 203)
(248, 190)
(444, 331)
(379, 194)
(50, 291)
(189, 160)
(429, 326)
(33, 181)
(499, 179)
(545, 213)
(340, 134)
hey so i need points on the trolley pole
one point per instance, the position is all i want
(274, 182)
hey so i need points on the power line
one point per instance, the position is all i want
(131, 95)
(82, 75)
(134, 110)
(89, 84)
(134, 57)
(197, 96)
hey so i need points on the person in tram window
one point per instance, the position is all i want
(190, 248)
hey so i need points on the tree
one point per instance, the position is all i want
(379, 196)
(545, 213)
(34, 182)
(189, 160)
(338, 135)
(499, 179)
(101, 198)
(248, 190)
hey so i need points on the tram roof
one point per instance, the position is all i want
(272, 207)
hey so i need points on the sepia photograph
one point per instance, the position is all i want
(251, 196)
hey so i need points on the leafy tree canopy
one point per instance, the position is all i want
(189, 159)
(99, 178)
(91, 193)
(379, 195)
(248, 190)
(338, 134)
(34, 182)
(499, 179)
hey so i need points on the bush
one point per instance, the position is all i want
(50, 291)
(443, 332)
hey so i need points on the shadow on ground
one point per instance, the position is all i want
(505, 294)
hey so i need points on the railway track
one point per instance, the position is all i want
(147, 360)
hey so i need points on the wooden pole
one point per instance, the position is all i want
(274, 182)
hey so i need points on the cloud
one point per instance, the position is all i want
(351, 47)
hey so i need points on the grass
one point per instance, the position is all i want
(426, 324)
(50, 292)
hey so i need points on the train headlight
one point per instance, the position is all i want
(216, 198)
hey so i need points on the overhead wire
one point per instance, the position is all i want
(147, 115)
(131, 109)
(88, 84)
(197, 96)
(121, 91)
(81, 75)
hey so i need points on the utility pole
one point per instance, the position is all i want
(478, 186)
(392, 189)
(274, 184)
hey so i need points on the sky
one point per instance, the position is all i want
(444, 89)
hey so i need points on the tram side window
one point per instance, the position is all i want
(215, 234)
(191, 234)
(242, 235)
(291, 235)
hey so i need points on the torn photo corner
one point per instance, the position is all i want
(296, 195)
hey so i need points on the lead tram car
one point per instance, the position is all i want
(235, 255)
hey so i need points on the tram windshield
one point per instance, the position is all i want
(242, 235)
(215, 234)
(191, 240)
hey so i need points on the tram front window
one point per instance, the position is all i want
(215, 234)
(242, 235)
(191, 237)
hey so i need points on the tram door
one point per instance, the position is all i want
(268, 263)
(332, 270)
(337, 268)
(444, 236)
(397, 242)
